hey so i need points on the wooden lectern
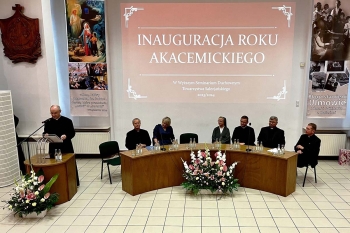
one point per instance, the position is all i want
(66, 184)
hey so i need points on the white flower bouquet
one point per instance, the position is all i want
(32, 195)
(205, 173)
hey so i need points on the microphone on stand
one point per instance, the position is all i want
(248, 149)
(26, 140)
(163, 148)
(45, 121)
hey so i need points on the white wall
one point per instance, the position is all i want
(202, 118)
(28, 83)
(35, 87)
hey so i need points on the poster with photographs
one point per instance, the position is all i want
(330, 60)
(88, 86)
(87, 66)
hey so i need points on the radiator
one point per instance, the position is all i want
(331, 143)
(88, 142)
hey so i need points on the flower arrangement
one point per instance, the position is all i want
(32, 195)
(205, 173)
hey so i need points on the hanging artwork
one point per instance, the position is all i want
(87, 65)
(20, 36)
(330, 60)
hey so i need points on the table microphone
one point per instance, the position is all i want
(248, 149)
(163, 148)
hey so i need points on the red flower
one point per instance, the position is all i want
(204, 154)
(191, 167)
(225, 168)
(30, 196)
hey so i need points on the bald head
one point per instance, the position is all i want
(55, 111)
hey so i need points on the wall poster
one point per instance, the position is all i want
(88, 82)
(330, 60)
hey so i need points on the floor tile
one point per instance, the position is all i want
(284, 222)
(96, 229)
(246, 222)
(75, 229)
(191, 229)
(101, 221)
(321, 222)
(303, 222)
(173, 221)
(101, 207)
(83, 220)
(172, 229)
(57, 229)
(150, 229)
(265, 222)
(137, 221)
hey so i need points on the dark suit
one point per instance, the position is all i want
(271, 137)
(62, 126)
(224, 137)
(310, 152)
(244, 135)
(59, 127)
(133, 137)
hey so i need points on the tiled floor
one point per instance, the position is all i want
(100, 207)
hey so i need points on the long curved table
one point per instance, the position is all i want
(262, 171)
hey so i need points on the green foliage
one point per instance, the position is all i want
(32, 195)
(213, 175)
(49, 184)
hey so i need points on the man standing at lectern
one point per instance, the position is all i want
(137, 136)
(271, 136)
(63, 128)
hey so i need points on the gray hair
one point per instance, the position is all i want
(56, 106)
(135, 120)
(273, 118)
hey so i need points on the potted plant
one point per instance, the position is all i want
(205, 173)
(32, 198)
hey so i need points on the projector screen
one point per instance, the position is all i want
(207, 52)
(194, 62)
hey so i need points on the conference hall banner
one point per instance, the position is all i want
(330, 60)
(207, 52)
(88, 82)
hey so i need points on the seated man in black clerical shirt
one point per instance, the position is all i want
(244, 133)
(137, 136)
(271, 136)
(308, 147)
